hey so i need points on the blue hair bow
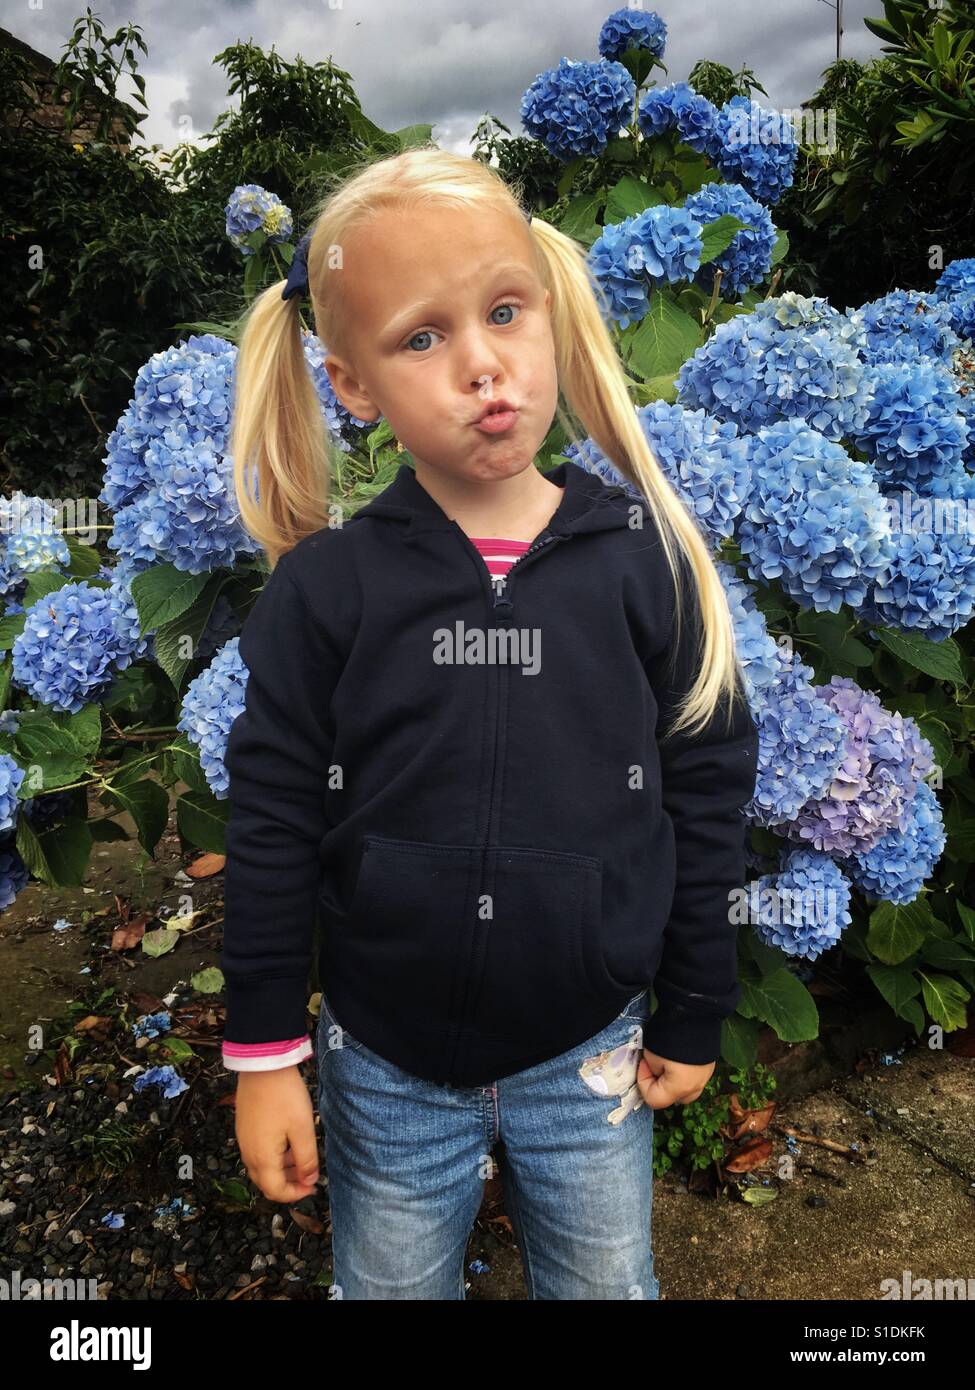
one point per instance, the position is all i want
(298, 269)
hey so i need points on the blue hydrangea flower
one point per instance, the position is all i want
(131, 643)
(915, 427)
(805, 907)
(757, 651)
(658, 246)
(252, 208)
(167, 1079)
(9, 722)
(126, 475)
(748, 260)
(704, 460)
(14, 873)
(678, 107)
(168, 474)
(754, 147)
(576, 108)
(29, 540)
(71, 646)
(960, 310)
(928, 583)
(884, 758)
(896, 867)
(334, 411)
(152, 1025)
(790, 357)
(815, 521)
(958, 277)
(801, 742)
(623, 285)
(11, 777)
(632, 28)
(905, 324)
(212, 702)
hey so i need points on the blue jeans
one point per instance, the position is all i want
(407, 1159)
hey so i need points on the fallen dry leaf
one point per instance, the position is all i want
(206, 866)
(753, 1155)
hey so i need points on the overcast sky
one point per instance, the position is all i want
(446, 62)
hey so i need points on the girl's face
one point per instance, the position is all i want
(445, 313)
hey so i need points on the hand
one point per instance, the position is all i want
(663, 1082)
(275, 1128)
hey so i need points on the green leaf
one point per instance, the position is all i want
(896, 932)
(158, 943)
(51, 756)
(629, 197)
(60, 856)
(718, 235)
(781, 248)
(209, 981)
(739, 1041)
(664, 339)
(85, 559)
(43, 582)
(177, 1049)
(939, 659)
(830, 631)
(10, 629)
(186, 759)
(579, 220)
(896, 984)
(411, 135)
(84, 727)
(163, 593)
(782, 1001)
(183, 633)
(148, 805)
(967, 916)
(202, 821)
(961, 835)
(950, 954)
(945, 1000)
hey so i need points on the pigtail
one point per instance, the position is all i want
(593, 382)
(279, 441)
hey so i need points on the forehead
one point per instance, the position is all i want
(403, 256)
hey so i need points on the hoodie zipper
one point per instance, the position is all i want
(502, 612)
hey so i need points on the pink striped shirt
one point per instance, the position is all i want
(499, 554)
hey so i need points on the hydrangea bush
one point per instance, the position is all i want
(795, 433)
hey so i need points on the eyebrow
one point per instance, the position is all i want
(402, 320)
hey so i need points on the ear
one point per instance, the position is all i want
(350, 394)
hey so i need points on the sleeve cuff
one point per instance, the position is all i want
(681, 1036)
(268, 1056)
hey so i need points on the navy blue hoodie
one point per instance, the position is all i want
(468, 787)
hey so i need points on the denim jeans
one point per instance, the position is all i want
(406, 1161)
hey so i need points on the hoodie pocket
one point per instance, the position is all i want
(540, 933)
(503, 939)
(406, 937)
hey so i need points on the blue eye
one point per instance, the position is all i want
(429, 333)
(426, 333)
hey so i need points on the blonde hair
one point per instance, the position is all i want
(279, 435)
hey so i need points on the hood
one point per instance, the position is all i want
(589, 503)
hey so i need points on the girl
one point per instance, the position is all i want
(495, 735)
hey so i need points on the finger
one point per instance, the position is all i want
(301, 1159)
